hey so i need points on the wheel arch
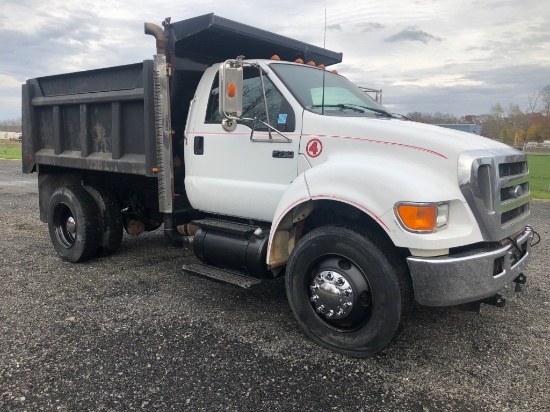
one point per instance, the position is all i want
(310, 213)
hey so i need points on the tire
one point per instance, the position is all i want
(347, 294)
(74, 224)
(110, 218)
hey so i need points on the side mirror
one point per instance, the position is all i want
(231, 89)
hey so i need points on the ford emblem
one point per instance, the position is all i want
(516, 191)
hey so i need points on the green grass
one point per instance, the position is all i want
(539, 173)
(10, 150)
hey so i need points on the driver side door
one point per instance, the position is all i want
(228, 173)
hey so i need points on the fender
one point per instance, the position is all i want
(294, 206)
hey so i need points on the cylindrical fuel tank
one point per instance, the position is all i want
(245, 252)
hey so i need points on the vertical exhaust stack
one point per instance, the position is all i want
(158, 33)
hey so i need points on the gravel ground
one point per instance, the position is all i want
(131, 331)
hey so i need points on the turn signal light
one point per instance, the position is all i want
(423, 217)
(231, 90)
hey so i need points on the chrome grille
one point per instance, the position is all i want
(512, 169)
(495, 184)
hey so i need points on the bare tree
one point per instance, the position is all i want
(544, 95)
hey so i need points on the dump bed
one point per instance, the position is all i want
(97, 120)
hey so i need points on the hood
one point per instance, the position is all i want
(384, 134)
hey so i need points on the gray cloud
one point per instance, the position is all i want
(371, 26)
(412, 34)
(336, 27)
(504, 85)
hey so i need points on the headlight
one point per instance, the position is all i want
(422, 217)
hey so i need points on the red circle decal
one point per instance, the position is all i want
(314, 148)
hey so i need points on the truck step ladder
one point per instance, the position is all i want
(221, 275)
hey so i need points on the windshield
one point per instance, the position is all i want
(338, 97)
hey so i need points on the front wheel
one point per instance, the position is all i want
(346, 293)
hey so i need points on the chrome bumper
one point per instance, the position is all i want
(468, 277)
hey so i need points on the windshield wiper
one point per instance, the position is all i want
(340, 106)
(356, 107)
(402, 116)
(372, 109)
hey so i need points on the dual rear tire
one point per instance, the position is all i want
(84, 222)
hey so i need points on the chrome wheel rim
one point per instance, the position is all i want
(339, 293)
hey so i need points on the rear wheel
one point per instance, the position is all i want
(73, 223)
(346, 293)
(110, 217)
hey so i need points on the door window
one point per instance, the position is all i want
(280, 112)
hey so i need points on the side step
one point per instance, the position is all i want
(221, 275)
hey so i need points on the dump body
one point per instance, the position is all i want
(94, 120)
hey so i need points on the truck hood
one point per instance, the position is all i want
(447, 142)
(398, 150)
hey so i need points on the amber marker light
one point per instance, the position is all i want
(423, 217)
(418, 218)
(275, 57)
(155, 170)
(231, 90)
(299, 61)
(311, 63)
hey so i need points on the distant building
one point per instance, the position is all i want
(10, 135)
(468, 128)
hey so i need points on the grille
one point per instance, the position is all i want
(508, 193)
(496, 186)
(512, 169)
(514, 213)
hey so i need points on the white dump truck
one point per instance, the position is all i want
(273, 165)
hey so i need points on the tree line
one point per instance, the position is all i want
(11, 125)
(512, 124)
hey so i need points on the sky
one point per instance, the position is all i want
(452, 56)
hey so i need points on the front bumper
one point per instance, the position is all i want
(470, 276)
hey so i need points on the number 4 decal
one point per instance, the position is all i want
(314, 148)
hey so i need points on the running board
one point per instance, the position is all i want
(221, 275)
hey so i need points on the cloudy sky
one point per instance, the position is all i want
(455, 56)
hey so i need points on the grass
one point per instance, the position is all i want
(10, 149)
(539, 173)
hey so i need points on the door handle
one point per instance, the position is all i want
(283, 154)
(198, 146)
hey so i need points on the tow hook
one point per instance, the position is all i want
(495, 300)
(520, 280)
